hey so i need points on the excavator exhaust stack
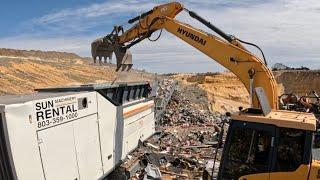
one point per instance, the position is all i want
(104, 48)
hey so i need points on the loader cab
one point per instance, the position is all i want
(267, 146)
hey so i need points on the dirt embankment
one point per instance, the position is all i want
(298, 82)
(23, 71)
(219, 91)
(224, 92)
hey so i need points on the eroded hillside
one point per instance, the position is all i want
(23, 71)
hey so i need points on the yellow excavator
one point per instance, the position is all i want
(262, 142)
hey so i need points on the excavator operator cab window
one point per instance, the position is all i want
(290, 149)
(249, 150)
(254, 148)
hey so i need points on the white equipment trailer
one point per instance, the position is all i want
(74, 133)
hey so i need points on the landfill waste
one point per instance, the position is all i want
(152, 172)
(164, 93)
(183, 147)
(180, 111)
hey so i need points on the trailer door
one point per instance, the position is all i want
(88, 148)
(58, 153)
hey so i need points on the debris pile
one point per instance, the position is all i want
(307, 103)
(180, 111)
(164, 93)
(184, 144)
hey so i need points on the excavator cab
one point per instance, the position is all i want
(273, 146)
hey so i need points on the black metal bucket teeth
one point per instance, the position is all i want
(104, 48)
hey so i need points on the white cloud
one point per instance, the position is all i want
(287, 31)
(95, 10)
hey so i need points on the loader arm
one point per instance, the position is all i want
(228, 52)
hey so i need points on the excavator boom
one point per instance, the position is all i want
(228, 52)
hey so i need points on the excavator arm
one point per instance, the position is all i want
(229, 52)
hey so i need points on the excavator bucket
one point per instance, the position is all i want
(124, 59)
(103, 48)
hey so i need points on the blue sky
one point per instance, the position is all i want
(287, 30)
